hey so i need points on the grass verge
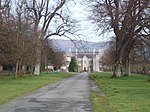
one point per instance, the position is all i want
(99, 102)
(124, 94)
(12, 87)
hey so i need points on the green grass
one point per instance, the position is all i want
(124, 94)
(12, 87)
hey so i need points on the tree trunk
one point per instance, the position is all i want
(31, 69)
(122, 71)
(37, 69)
(38, 58)
(17, 68)
(117, 70)
(127, 68)
(1, 68)
(24, 69)
(117, 65)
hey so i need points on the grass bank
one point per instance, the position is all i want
(124, 94)
(12, 87)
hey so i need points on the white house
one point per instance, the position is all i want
(87, 61)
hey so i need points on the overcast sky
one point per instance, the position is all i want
(79, 11)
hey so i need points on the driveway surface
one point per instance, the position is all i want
(67, 95)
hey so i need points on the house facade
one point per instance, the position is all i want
(87, 61)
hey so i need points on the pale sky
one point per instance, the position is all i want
(79, 11)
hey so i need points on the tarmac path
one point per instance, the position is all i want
(67, 95)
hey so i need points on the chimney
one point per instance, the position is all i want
(69, 50)
(76, 51)
(93, 51)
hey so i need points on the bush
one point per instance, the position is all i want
(73, 66)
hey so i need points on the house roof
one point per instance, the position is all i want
(88, 55)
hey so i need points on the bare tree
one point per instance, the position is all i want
(52, 55)
(16, 36)
(127, 18)
(25, 28)
(4, 31)
(141, 57)
(108, 59)
(49, 20)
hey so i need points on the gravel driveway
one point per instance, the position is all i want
(67, 95)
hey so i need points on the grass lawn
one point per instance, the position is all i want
(11, 87)
(124, 94)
